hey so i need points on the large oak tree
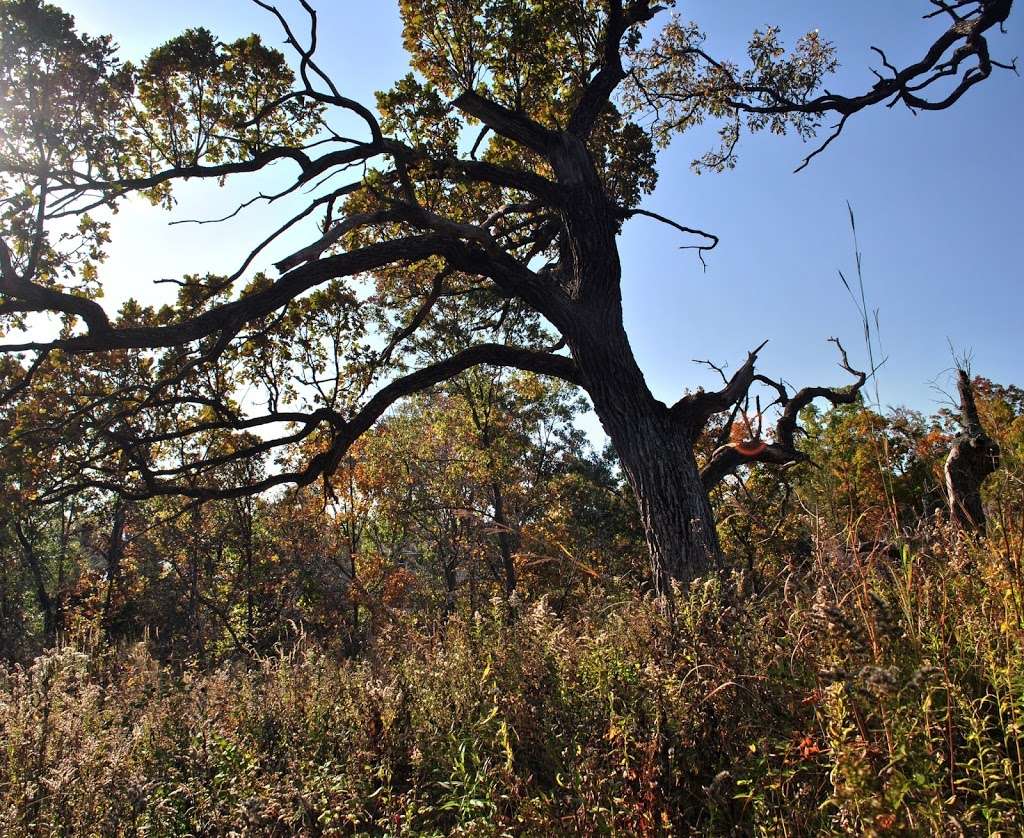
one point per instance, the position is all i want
(470, 218)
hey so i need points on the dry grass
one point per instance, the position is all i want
(853, 695)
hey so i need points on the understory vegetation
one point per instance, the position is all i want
(355, 664)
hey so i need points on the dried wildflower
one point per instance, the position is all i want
(922, 675)
(720, 784)
(744, 584)
(832, 619)
(877, 680)
(885, 616)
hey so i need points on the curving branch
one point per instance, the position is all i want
(505, 271)
(308, 64)
(781, 450)
(232, 315)
(957, 60)
(693, 231)
(343, 432)
(27, 296)
(965, 37)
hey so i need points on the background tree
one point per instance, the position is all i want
(496, 181)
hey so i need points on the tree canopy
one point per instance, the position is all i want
(469, 218)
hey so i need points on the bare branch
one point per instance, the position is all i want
(308, 63)
(689, 230)
(903, 85)
(345, 432)
(782, 450)
(694, 410)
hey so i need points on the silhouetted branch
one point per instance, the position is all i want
(781, 450)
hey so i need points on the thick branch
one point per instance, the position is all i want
(695, 409)
(515, 126)
(600, 88)
(29, 296)
(233, 315)
(479, 255)
(781, 451)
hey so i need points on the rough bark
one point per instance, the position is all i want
(655, 449)
(654, 444)
(678, 522)
(114, 554)
(973, 457)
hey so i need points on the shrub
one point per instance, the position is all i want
(860, 695)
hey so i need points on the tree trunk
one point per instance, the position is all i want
(656, 452)
(505, 539)
(50, 606)
(114, 554)
(674, 508)
(654, 446)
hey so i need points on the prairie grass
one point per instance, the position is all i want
(853, 694)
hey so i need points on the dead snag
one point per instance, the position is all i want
(973, 457)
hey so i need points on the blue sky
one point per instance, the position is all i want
(937, 198)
